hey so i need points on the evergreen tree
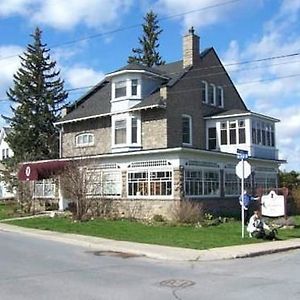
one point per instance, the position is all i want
(147, 54)
(38, 96)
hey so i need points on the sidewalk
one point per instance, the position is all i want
(156, 251)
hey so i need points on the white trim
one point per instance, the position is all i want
(238, 115)
(190, 143)
(112, 113)
(122, 72)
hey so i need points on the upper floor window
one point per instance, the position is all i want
(220, 96)
(224, 133)
(134, 130)
(84, 139)
(204, 91)
(120, 89)
(212, 94)
(134, 86)
(263, 133)
(242, 132)
(120, 132)
(186, 129)
(212, 138)
(5, 153)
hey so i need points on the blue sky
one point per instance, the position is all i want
(105, 31)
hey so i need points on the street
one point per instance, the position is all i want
(32, 268)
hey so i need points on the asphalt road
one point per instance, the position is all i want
(31, 268)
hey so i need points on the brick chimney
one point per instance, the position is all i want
(191, 49)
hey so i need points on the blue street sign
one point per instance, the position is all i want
(241, 154)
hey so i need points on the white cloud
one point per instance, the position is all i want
(9, 66)
(198, 13)
(78, 76)
(66, 14)
(277, 97)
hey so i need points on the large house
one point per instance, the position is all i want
(154, 136)
(5, 152)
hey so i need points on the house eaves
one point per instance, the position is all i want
(160, 105)
(240, 114)
(122, 72)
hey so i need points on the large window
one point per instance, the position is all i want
(186, 129)
(265, 180)
(84, 139)
(150, 182)
(103, 182)
(202, 182)
(120, 132)
(232, 183)
(236, 134)
(44, 189)
(120, 89)
(263, 133)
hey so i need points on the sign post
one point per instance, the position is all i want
(243, 170)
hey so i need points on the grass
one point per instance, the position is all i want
(226, 234)
(7, 210)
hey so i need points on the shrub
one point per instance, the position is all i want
(187, 212)
(158, 218)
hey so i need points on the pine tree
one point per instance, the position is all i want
(38, 96)
(147, 54)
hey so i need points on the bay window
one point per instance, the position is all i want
(120, 132)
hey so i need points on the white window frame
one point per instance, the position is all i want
(205, 91)
(102, 181)
(202, 182)
(221, 90)
(211, 85)
(82, 135)
(48, 188)
(190, 143)
(114, 131)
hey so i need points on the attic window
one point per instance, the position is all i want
(220, 96)
(120, 89)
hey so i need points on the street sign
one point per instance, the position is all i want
(243, 169)
(241, 154)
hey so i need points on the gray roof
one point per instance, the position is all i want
(97, 101)
(230, 112)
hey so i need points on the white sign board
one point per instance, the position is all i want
(272, 205)
(239, 169)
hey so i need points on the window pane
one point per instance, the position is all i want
(120, 89)
(211, 94)
(120, 132)
(204, 91)
(242, 136)
(212, 138)
(134, 130)
(220, 96)
(186, 130)
(134, 84)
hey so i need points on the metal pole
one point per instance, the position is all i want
(242, 197)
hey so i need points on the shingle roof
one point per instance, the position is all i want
(97, 101)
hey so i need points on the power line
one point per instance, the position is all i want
(97, 35)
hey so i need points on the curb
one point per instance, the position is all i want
(158, 251)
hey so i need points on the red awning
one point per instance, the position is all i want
(40, 170)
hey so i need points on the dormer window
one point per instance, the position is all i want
(84, 139)
(120, 89)
(134, 86)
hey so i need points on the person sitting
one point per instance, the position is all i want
(259, 229)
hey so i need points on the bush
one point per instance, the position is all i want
(187, 212)
(158, 218)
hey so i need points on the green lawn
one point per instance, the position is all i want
(7, 210)
(180, 236)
